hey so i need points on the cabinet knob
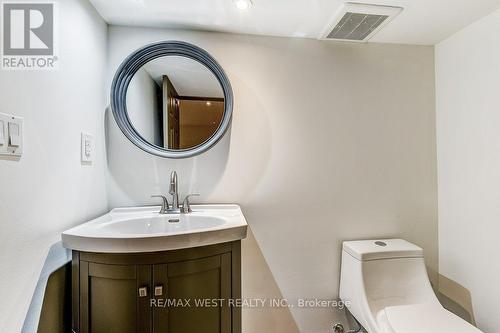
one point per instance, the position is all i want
(143, 291)
(159, 290)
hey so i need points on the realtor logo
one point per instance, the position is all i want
(28, 41)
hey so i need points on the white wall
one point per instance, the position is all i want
(468, 136)
(48, 190)
(142, 106)
(329, 142)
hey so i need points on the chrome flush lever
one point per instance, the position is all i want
(186, 205)
(164, 205)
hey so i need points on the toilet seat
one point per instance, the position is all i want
(431, 318)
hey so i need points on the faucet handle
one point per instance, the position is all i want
(186, 205)
(164, 205)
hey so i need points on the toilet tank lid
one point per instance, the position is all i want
(382, 249)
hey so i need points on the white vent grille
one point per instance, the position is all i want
(359, 22)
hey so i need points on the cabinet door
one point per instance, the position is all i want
(110, 300)
(193, 280)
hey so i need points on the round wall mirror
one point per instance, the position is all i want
(172, 99)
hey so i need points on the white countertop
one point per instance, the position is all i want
(143, 229)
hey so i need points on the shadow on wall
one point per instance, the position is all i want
(258, 283)
(456, 298)
(50, 308)
(130, 169)
(231, 171)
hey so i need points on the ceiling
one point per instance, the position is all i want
(424, 22)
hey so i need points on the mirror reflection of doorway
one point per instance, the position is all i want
(175, 103)
(189, 120)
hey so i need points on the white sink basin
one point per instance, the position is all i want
(143, 229)
(154, 225)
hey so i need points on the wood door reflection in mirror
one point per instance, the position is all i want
(190, 120)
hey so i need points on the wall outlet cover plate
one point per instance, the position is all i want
(87, 148)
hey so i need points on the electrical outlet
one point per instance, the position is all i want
(87, 148)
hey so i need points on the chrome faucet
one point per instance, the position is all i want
(175, 208)
(174, 191)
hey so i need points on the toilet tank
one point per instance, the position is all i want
(380, 273)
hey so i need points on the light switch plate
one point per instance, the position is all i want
(3, 140)
(11, 135)
(87, 148)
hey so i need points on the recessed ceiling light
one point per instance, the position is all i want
(209, 103)
(243, 4)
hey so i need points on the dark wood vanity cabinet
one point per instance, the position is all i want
(179, 291)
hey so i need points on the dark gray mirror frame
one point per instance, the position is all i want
(139, 58)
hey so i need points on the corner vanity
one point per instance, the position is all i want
(136, 270)
(174, 268)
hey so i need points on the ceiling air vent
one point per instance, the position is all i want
(356, 22)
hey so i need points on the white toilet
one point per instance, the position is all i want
(387, 286)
